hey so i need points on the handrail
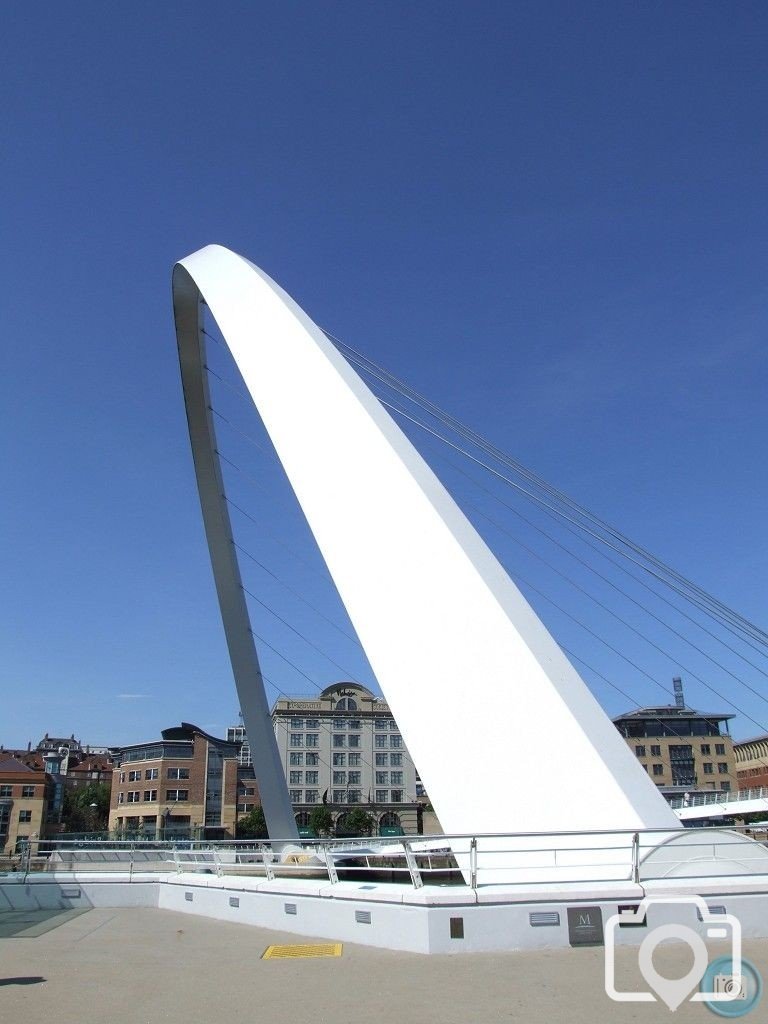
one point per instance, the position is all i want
(722, 797)
(587, 856)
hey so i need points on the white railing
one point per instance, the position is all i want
(723, 796)
(474, 860)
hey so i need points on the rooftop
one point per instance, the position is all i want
(672, 711)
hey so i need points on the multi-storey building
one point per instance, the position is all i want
(684, 751)
(185, 784)
(752, 762)
(27, 803)
(344, 749)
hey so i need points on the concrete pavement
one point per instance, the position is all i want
(146, 966)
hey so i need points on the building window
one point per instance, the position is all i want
(296, 758)
(339, 778)
(312, 723)
(705, 748)
(725, 786)
(396, 760)
(708, 768)
(150, 795)
(658, 769)
(722, 768)
(354, 759)
(25, 815)
(310, 797)
(338, 796)
(27, 791)
(122, 777)
(176, 795)
(133, 797)
(313, 739)
(296, 723)
(353, 740)
(339, 760)
(244, 808)
(354, 723)
(121, 798)
(177, 773)
(338, 741)
(381, 796)
(295, 795)
(346, 704)
(382, 759)
(134, 776)
(720, 749)
(640, 750)
(354, 778)
(339, 723)
(380, 741)
(395, 741)
(353, 797)
(655, 750)
(313, 759)
(150, 773)
(311, 778)
(296, 740)
(382, 778)
(396, 778)
(396, 796)
(295, 779)
(380, 723)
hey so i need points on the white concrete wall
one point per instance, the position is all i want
(401, 918)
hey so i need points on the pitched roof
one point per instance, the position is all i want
(10, 764)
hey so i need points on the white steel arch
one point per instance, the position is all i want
(485, 699)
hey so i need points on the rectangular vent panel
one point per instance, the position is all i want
(544, 919)
(290, 908)
(457, 927)
(363, 916)
(234, 901)
(189, 896)
(716, 909)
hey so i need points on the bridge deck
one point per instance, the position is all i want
(151, 966)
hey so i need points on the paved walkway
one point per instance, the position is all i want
(161, 967)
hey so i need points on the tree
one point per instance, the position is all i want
(86, 808)
(358, 822)
(252, 825)
(321, 821)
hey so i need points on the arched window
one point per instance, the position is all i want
(388, 823)
(302, 819)
(346, 704)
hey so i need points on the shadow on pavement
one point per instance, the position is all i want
(32, 980)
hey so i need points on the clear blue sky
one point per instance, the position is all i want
(549, 217)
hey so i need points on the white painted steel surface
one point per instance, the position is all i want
(481, 692)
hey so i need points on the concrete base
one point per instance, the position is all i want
(453, 919)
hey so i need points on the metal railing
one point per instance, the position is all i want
(476, 860)
(722, 796)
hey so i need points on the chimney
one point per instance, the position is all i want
(29, 745)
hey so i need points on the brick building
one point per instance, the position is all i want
(27, 803)
(752, 762)
(186, 784)
(683, 751)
